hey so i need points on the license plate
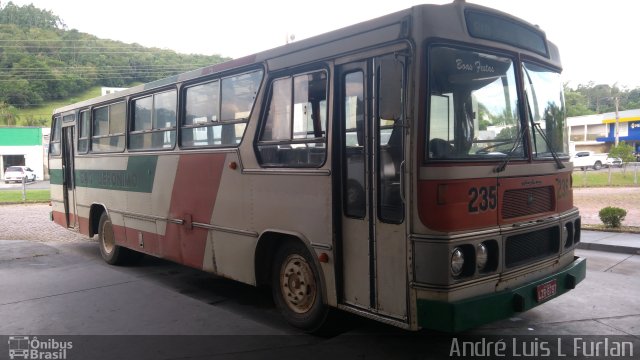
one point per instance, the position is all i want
(546, 290)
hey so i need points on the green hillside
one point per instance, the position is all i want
(44, 65)
(34, 114)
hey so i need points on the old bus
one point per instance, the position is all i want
(411, 169)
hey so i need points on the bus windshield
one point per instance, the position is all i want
(473, 108)
(545, 104)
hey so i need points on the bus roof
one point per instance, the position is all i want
(388, 28)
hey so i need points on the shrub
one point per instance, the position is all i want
(612, 217)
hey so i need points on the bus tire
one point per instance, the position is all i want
(111, 253)
(296, 288)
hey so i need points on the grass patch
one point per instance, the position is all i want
(46, 110)
(601, 179)
(33, 196)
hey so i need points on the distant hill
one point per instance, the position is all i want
(42, 62)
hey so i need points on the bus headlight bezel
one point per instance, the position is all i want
(457, 262)
(482, 257)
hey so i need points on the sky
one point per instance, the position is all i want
(597, 40)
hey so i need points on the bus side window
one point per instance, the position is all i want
(355, 200)
(154, 122)
(390, 137)
(216, 112)
(83, 132)
(294, 128)
(108, 128)
(54, 143)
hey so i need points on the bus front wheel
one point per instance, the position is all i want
(296, 288)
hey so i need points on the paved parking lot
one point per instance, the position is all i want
(31, 222)
(55, 283)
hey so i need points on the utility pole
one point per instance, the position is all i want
(617, 131)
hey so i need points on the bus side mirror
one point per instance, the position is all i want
(390, 73)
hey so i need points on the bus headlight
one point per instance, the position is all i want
(482, 256)
(568, 234)
(457, 262)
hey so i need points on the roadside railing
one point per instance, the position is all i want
(625, 175)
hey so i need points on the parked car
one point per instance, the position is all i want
(588, 159)
(613, 162)
(17, 173)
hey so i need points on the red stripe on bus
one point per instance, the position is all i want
(456, 205)
(60, 218)
(148, 240)
(119, 233)
(192, 199)
(83, 223)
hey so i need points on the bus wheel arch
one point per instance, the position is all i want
(101, 225)
(95, 212)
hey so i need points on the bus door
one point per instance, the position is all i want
(372, 227)
(68, 176)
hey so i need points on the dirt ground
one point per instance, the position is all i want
(591, 200)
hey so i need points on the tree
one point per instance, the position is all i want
(623, 151)
(33, 121)
(8, 115)
(29, 16)
(576, 103)
(43, 61)
(596, 99)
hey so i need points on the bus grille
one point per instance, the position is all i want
(525, 248)
(524, 202)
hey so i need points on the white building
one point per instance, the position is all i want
(597, 132)
(26, 146)
(110, 90)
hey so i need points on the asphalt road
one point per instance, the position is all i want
(64, 288)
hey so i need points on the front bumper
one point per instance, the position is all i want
(465, 314)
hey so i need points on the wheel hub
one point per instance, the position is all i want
(108, 239)
(297, 284)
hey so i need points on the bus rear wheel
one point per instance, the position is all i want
(296, 288)
(111, 253)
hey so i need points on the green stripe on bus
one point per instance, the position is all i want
(55, 176)
(469, 313)
(138, 177)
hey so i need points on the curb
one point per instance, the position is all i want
(609, 248)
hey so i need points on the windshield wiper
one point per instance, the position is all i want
(551, 150)
(537, 127)
(503, 164)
